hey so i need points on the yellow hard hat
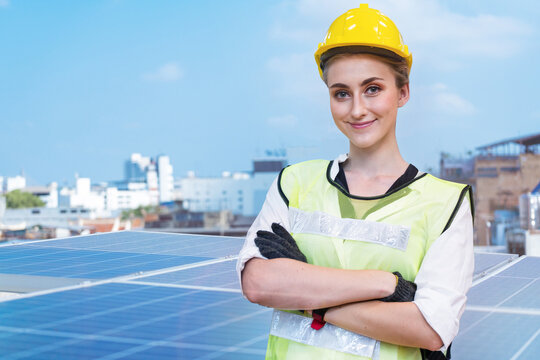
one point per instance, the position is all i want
(363, 26)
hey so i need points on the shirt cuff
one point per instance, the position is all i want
(245, 255)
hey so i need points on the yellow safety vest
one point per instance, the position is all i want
(391, 232)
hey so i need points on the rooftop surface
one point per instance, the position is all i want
(528, 140)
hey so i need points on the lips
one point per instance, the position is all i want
(362, 125)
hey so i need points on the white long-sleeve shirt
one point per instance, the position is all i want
(443, 279)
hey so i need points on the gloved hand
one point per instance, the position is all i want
(278, 244)
(404, 291)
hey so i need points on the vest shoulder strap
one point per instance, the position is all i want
(456, 193)
(297, 176)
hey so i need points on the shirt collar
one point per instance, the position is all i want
(334, 170)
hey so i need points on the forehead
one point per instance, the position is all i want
(354, 67)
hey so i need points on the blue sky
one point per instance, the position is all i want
(213, 84)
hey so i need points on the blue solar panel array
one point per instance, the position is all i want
(62, 262)
(171, 296)
(502, 317)
(125, 321)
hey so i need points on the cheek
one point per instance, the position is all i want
(338, 109)
(383, 105)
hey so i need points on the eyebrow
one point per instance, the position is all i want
(365, 82)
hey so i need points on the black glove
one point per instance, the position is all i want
(278, 244)
(404, 292)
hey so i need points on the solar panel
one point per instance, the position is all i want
(176, 296)
(150, 243)
(132, 319)
(222, 275)
(488, 262)
(138, 303)
(53, 261)
(502, 317)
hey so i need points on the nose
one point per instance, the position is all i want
(359, 109)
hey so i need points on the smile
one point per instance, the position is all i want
(362, 125)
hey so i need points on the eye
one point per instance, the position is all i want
(373, 90)
(341, 94)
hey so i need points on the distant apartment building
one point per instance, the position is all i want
(8, 184)
(499, 173)
(242, 193)
(62, 217)
(156, 174)
(165, 179)
(146, 182)
(48, 194)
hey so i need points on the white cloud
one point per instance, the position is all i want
(440, 99)
(4, 3)
(167, 73)
(285, 121)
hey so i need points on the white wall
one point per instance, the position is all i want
(166, 179)
(15, 183)
(241, 193)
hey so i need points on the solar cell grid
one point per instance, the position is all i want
(485, 262)
(222, 275)
(495, 290)
(527, 268)
(151, 243)
(496, 336)
(87, 263)
(502, 318)
(135, 315)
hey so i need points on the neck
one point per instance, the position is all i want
(380, 160)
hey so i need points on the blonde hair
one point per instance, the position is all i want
(398, 64)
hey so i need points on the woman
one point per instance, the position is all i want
(364, 226)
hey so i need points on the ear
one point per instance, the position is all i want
(403, 95)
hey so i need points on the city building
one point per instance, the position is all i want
(146, 183)
(47, 194)
(499, 173)
(13, 183)
(165, 179)
(63, 218)
(242, 193)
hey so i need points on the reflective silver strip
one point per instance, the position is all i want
(316, 222)
(298, 328)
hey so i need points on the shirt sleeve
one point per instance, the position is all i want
(274, 210)
(445, 276)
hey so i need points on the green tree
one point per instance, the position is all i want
(140, 212)
(17, 199)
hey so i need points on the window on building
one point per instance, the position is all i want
(36, 211)
(63, 211)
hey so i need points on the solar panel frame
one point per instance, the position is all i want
(219, 275)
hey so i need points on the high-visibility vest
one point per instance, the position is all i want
(391, 232)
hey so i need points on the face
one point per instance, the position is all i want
(364, 100)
